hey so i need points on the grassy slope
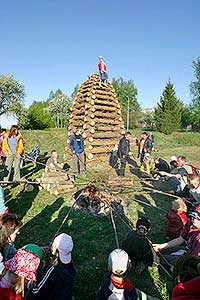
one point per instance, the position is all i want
(93, 237)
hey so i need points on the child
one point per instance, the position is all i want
(145, 167)
(115, 284)
(194, 190)
(59, 280)
(177, 218)
(19, 270)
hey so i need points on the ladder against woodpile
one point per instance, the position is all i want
(97, 111)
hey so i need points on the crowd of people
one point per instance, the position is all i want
(20, 269)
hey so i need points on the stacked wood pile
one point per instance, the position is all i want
(98, 202)
(56, 182)
(97, 111)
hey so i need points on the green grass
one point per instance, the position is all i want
(93, 238)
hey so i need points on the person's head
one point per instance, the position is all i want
(78, 131)
(13, 130)
(147, 157)
(2, 131)
(10, 225)
(128, 135)
(173, 164)
(144, 135)
(143, 225)
(54, 154)
(193, 180)
(179, 205)
(181, 160)
(187, 267)
(100, 58)
(62, 248)
(22, 267)
(157, 159)
(195, 216)
(118, 262)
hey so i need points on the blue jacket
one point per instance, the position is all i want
(76, 143)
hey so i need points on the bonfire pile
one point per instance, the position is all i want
(98, 202)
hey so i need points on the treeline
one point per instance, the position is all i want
(170, 113)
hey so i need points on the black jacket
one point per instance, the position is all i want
(124, 147)
(57, 284)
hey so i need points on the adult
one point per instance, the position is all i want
(115, 284)
(53, 164)
(2, 136)
(123, 152)
(190, 235)
(144, 146)
(102, 70)
(13, 147)
(77, 152)
(59, 280)
(186, 276)
(161, 164)
(194, 187)
(138, 246)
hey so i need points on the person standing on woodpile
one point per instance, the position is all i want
(78, 154)
(102, 70)
(13, 147)
(123, 152)
(52, 164)
(145, 146)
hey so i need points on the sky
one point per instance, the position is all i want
(48, 44)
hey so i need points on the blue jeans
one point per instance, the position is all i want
(103, 75)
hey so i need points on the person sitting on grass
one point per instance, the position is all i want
(115, 284)
(18, 271)
(138, 246)
(9, 229)
(186, 277)
(194, 190)
(52, 164)
(176, 218)
(146, 167)
(58, 282)
(190, 235)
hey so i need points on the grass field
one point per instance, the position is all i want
(93, 237)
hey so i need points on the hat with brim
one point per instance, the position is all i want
(64, 243)
(24, 264)
(195, 214)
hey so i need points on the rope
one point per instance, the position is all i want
(114, 228)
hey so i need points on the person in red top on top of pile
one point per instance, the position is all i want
(177, 218)
(186, 275)
(102, 70)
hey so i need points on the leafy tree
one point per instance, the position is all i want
(168, 112)
(195, 92)
(149, 120)
(38, 116)
(75, 91)
(59, 108)
(127, 96)
(11, 93)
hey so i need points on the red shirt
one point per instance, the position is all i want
(102, 66)
(192, 236)
(176, 223)
(9, 294)
(189, 290)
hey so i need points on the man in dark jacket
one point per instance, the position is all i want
(77, 151)
(145, 146)
(123, 152)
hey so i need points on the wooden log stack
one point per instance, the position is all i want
(97, 111)
(56, 183)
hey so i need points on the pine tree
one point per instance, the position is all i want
(168, 112)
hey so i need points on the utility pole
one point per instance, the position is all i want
(128, 108)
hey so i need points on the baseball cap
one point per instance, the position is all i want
(118, 261)
(143, 222)
(173, 157)
(196, 212)
(35, 249)
(64, 243)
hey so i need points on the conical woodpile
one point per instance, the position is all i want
(97, 111)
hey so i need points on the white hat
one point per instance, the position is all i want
(173, 157)
(118, 261)
(64, 243)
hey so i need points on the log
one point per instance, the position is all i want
(100, 150)
(108, 121)
(107, 134)
(77, 117)
(108, 128)
(76, 123)
(106, 97)
(90, 156)
(101, 92)
(106, 115)
(105, 107)
(99, 142)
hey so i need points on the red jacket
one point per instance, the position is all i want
(102, 66)
(189, 290)
(9, 294)
(176, 223)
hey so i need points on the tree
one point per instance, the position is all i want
(38, 116)
(168, 111)
(75, 91)
(127, 96)
(59, 108)
(11, 93)
(195, 92)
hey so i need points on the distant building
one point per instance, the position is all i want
(148, 110)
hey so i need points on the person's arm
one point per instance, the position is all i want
(71, 144)
(173, 243)
(44, 287)
(163, 173)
